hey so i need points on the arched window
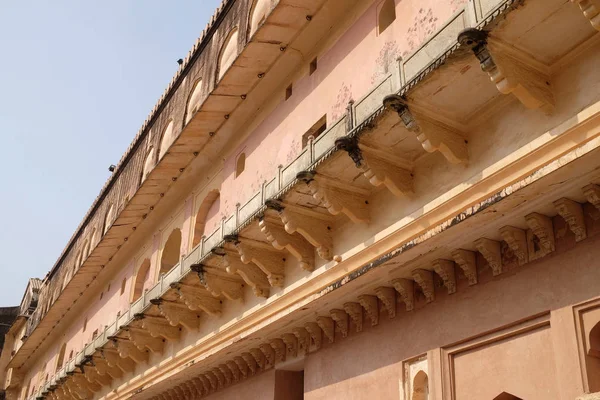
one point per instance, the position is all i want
(507, 396)
(108, 219)
(228, 53)
(205, 211)
(194, 101)
(148, 164)
(167, 140)
(61, 356)
(258, 15)
(140, 279)
(420, 387)
(240, 164)
(387, 15)
(171, 251)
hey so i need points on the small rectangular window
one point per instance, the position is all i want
(319, 127)
(288, 92)
(313, 66)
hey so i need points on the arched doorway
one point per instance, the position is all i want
(171, 252)
(141, 278)
(208, 208)
(420, 386)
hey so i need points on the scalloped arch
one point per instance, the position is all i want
(193, 101)
(168, 137)
(148, 164)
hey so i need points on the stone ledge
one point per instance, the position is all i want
(590, 396)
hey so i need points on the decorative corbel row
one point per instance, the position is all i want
(491, 250)
(259, 357)
(591, 11)
(104, 369)
(291, 344)
(592, 194)
(467, 261)
(159, 327)
(406, 289)
(328, 326)
(337, 197)
(517, 240)
(234, 369)
(379, 167)
(371, 306)
(198, 298)
(280, 349)
(126, 348)
(215, 384)
(143, 340)
(424, 279)
(387, 295)
(92, 375)
(572, 213)
(250, 362)
(355, 312)
(433, 135)
(114, 360)
(295, 244)
(303, 339)
(269, 353)
(177, 314)
(511, 71)
(542, 228)
(223, 375)
(218, 284)
(445, 269)
(250, 273)
(268, 259)
(341, 320)
(242, 366)
(312, 225)
(315, 333)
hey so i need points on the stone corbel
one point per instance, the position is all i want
(234, 369)
(84, 384)
(355, 312)
(114, 360)
(92, 374)
(303, 338)
(337, 197)
(206, 384)
(572, 213)
(198, 298)
(542, 228)
(406, 289)
(291, 344)
(269, 353)
(219, 285)
(184, 390)
(433, 135)
(226, 372)
(195, 386)
(202, 386)
(250, 273)
(143, 340)
(315, 333)
(104, 369)
(259, 357)
(491, 250)
(467, 261)
(445, 269)
(591, 11)
(221, 377)
(371, 306)
(177, 314)
(592, 194)
(82, 393)
(517, 240)
(328, 326)
(159, 327)
(295, 244)
(312, 225)
(280, 349)
(379, 167)
(215, 384)
(268, 259)
(127, 348)
(510, 70)
(242, 366)
(424, 279)
(387, 295)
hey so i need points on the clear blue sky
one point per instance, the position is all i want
(77, 79)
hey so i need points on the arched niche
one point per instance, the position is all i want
(148, 164)
(171, 251)
(205, 211)
(168, 137)
(228, 53)
(141, 277)
(108, 218)
(61, 356)
(386, 15)
(420, 386)
(258, 14)
(193, 101)
(240, 164)
(507, 396)
(86, 250)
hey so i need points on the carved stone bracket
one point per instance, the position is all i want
(355, 312)
(250, 273)
(405, 287)
(126, 348)
(467, 261)
(517, 240)
(250, 362)
(341, 319)
(269, 353)
(234, 369)
(371, 306)
(328, 326)
(510, 70)
(105, 369)
(303, 339)
(591, 11)
(268, 259)
(214, 380)
(445, 269)
(159, 327)
(198, 298)
(114, 360)
(379, 167)
(143, 340)
(592, 193)
(259, 357)
(433, 135)
(337, 197)
(206, 384)
(226, 372)
(572, 213)
(291, 344)
(542, 228)
(177, 314)
(218, 284)
(294, 243)
(242, 365)
(387, 295)
(424, 279)
(315, 333)
(492, 252)
(313, 226)
(280, 349)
